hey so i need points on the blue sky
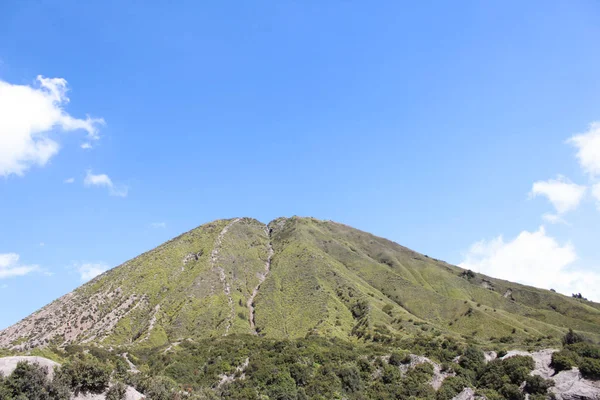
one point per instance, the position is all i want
(444, 126)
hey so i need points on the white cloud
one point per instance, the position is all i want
(10, 267)
(69, 180)
(561, 192)
(86, 145)
(533, 258)
(158, 225)
(102, 180)
(596, 193)
(88, 271)
(28, 117)
(588, 149)
(3, 286)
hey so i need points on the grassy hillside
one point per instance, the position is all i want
(294, 278)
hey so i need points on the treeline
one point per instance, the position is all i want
(253, 368)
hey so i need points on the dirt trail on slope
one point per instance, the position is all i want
(261, 279)
(222, 277)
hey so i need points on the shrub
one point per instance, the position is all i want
(572, 338)
(398, 359)
(451, 387)
(28, 381)
(512, 392)
(537, 385)
(590, 368)
(562, 360)
(585, 349)
(86, 374)
(350, 379)
(116, 392)
(473, 359)
(360, 309)
(159, 388)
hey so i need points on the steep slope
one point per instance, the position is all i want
(294, 277)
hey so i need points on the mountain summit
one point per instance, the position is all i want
(291, 278)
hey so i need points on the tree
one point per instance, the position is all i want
(29, 381)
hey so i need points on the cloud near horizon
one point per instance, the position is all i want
(535, 259)
(29, 119)
(88, 271)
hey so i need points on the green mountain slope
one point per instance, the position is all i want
(292, 278)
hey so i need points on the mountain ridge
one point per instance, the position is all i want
(290, 278)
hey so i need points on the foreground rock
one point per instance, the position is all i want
(8, 365)
(467, 394)
(568, 385)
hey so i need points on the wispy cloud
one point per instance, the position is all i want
(28, 117)
(10, 266)
(102, 180)
(158, 225)
(69, 180)
(86, 146)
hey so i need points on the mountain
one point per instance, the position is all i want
(292, 278)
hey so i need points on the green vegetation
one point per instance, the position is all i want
(578, 352)
(252, 367)
(325, 278)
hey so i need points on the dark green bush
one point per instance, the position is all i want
(537, 385)
(563, 360)
(590, 368)
(86, 374)
(116, 392)
(451, 387)
(28, 381)
(572, 338)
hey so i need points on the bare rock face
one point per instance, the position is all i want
(569, 385)
(490, 356)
